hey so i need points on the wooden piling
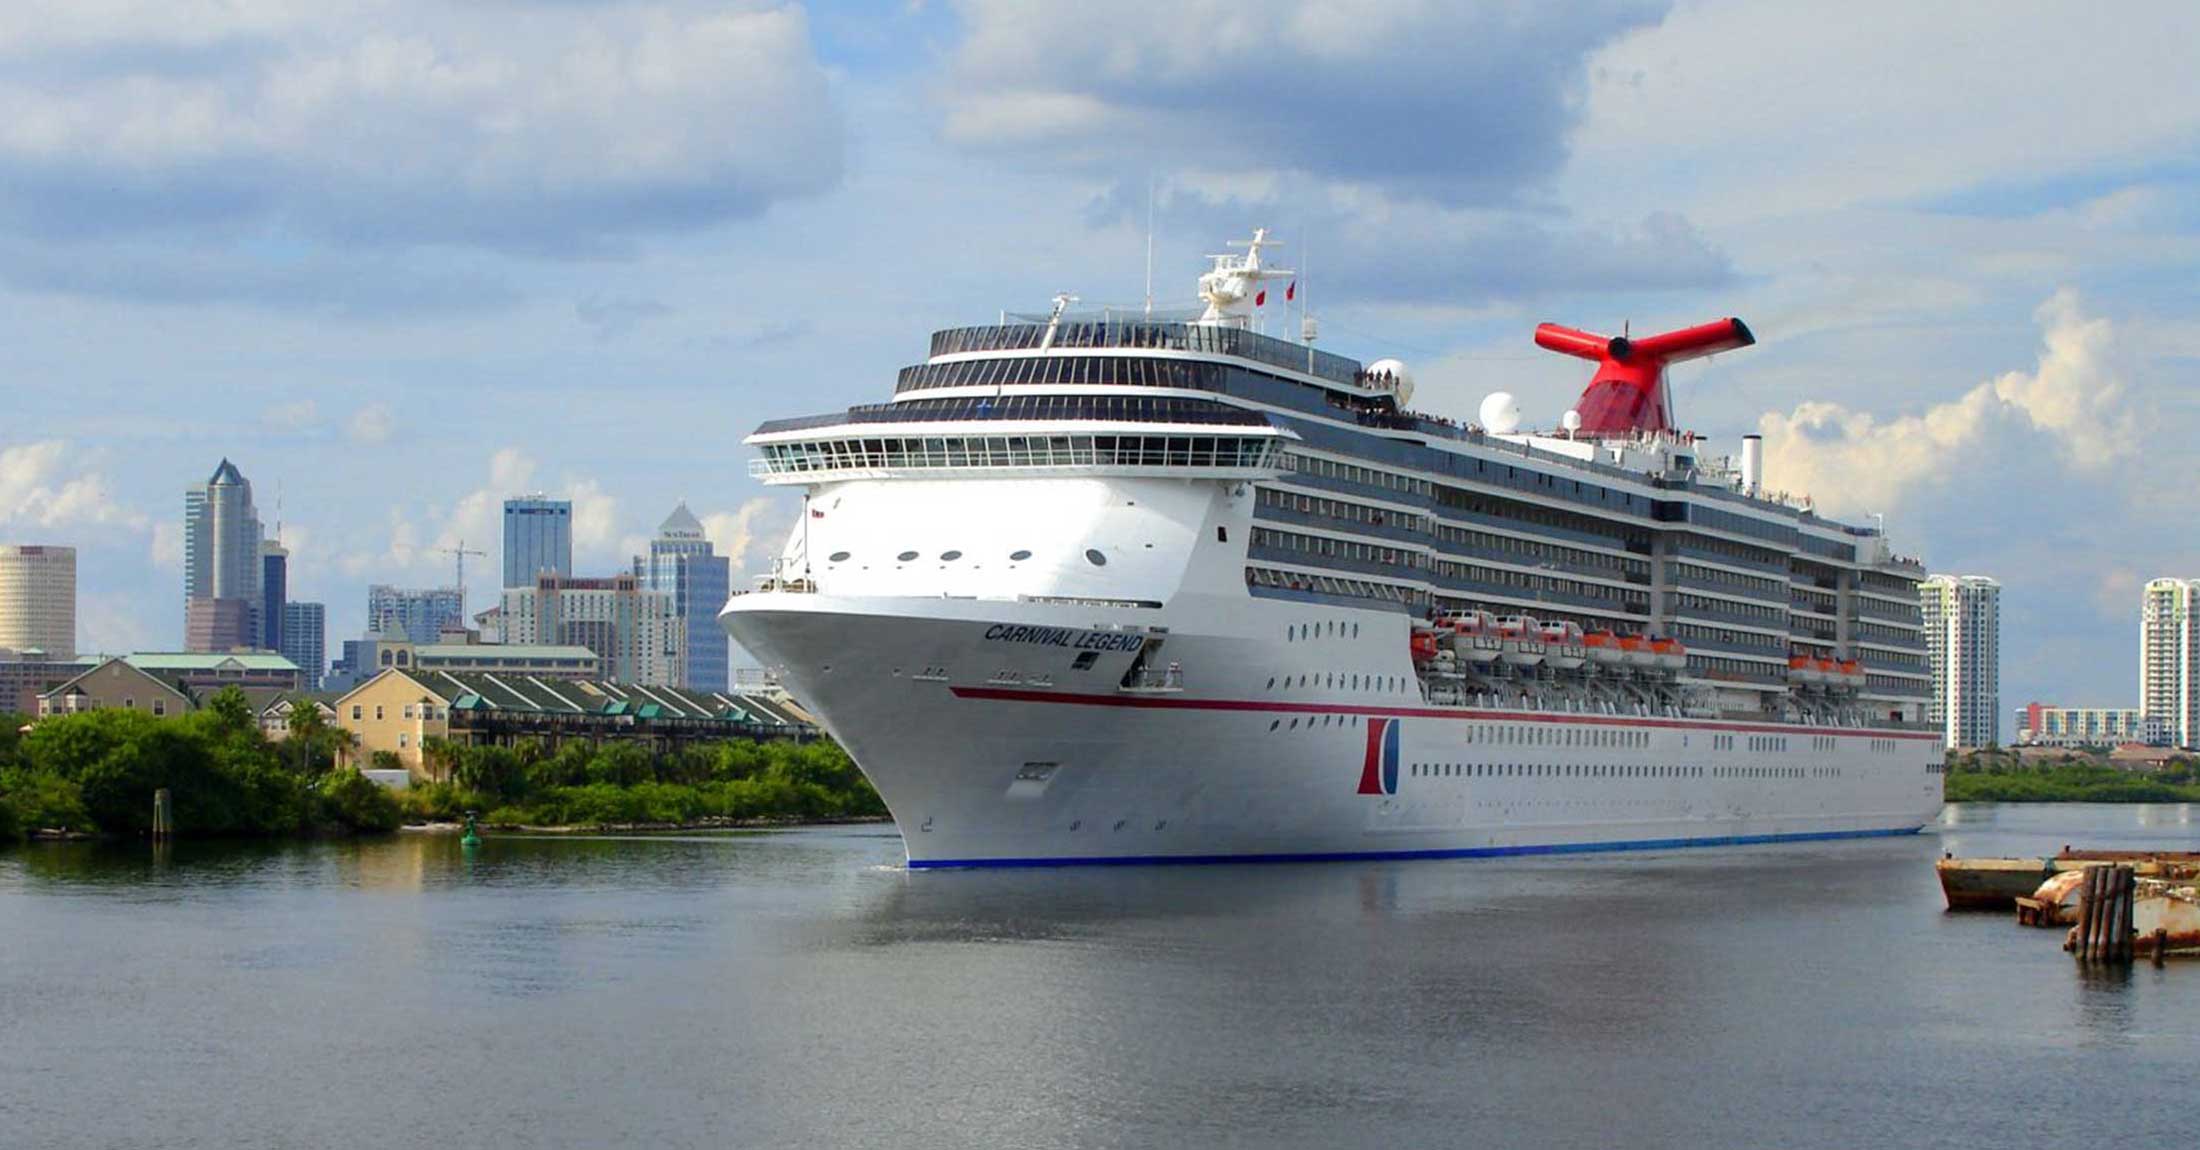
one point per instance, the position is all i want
(164, 819)
(2125, 929)
(2089, 910)
(2161, 945)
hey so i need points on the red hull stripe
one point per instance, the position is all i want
(1018, 695)
(1371, 768)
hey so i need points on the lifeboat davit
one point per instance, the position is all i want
(1670, 654)
(1602, 647)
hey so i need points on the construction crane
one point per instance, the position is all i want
(459, 554)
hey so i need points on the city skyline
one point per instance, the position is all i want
(1954, 323)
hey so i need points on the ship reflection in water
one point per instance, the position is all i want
(802, 988)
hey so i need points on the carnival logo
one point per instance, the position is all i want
(1379, 771)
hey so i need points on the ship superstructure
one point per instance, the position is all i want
(1118, 586)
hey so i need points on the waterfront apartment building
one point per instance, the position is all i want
(400, 711)
(2169, 656)
(682, 563)
(538, 538)
(223, 579)
(2047, 725)
(1962, 616)
(634, 628)
(38, 600)
(305, 641)
(416, 616)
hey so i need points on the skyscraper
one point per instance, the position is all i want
(538, 538)
(633, 628)
(305, 641)
(681, 562)
(38, 601)
(415, 616)
(274, 592)
(1962, 615)
(2169, 657)
(221, 562)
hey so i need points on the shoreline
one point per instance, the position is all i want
(707, 824)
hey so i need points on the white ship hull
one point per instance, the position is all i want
(1299, 733)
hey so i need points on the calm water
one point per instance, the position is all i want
(800, 989)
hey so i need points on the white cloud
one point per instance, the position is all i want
(1730, 110)
(292, 417)
(114, 623)
(747, 532)
(166, 550)
(44, 484)
(372, 424)
(2074, 400)
(374, 121)
(595, 522)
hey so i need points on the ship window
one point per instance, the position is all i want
(950, 556)
(906, 556)
(837, 557)
(1085, 660)
(1222, 533)
(1094, 557)
(1018, 556)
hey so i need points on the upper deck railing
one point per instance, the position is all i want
(1205, 339)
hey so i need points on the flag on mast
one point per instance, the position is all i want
(1292, 292)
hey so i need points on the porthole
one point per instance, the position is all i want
(950, 556)
(1094, 557)
(837, 557)
(906, 556)
(1018, 556)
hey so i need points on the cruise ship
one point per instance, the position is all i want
(1123, 587)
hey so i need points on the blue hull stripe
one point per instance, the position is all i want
(1369, 856)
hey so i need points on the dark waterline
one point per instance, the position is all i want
(800, 988)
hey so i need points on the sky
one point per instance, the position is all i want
(399, 260)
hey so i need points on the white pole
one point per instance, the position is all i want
(1149, 245)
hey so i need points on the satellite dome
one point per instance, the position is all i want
(1394, 373)
(1571, 421)
(1501, 412)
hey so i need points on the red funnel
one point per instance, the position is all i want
(1627, 394)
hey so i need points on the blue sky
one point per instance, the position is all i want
(398, 259)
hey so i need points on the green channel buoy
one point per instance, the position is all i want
(472, 837)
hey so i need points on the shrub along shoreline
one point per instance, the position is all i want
(1999, 777)
(95, 774)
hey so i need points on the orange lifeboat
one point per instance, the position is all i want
(1602, 646)
(1852, 671)
(1669, 654)
(1423, 646)
(1636, 650)
(1804, 669)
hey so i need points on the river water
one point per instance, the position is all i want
(800, 988)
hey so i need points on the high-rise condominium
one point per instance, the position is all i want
(681, 562)
(223, 579)
(1963, 644)
(2169, 657)
(538, 539)
(38, 601)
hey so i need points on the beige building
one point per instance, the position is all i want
(392, 712)
(38, 600)
(116, 684)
